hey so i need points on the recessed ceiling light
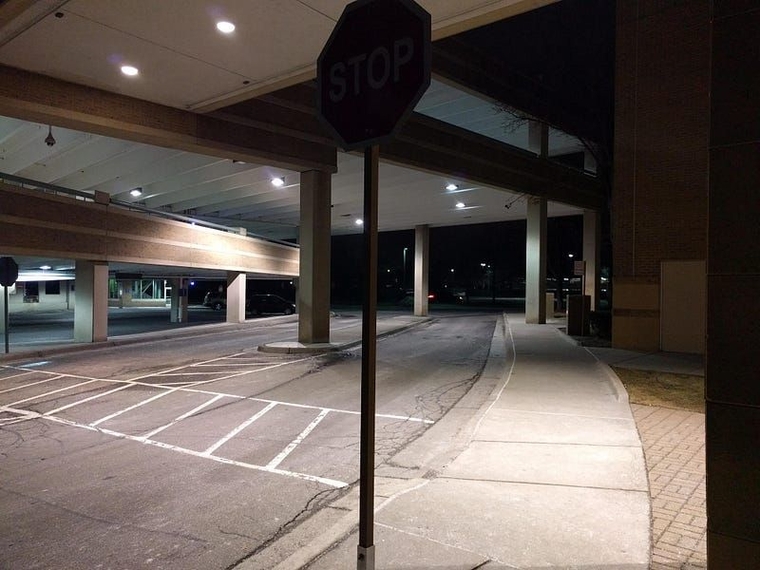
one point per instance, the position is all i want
(225, 27)
(460, 205)
(452, 187)
(278, 182)
(359, 221)
(135, 192)
(130, 70)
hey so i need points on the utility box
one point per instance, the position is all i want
(578, 314)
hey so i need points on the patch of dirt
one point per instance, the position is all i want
(679, 391)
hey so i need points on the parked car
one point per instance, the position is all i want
(267, 304)
(215, 300)
(256, 304)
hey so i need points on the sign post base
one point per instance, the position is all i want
(365, 557)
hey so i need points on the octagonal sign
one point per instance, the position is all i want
(373, 70)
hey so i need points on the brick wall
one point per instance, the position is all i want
(661, 151)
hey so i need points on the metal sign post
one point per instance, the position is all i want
(366, 548)
(5, 316)
(373, 70)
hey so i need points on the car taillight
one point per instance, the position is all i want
(431, 296)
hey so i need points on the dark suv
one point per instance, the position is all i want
(257, 304)
(265, 304)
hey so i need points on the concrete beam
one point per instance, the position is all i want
(43, 225)
(432, 145)
(34, 97)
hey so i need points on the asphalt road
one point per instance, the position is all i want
(196, 452)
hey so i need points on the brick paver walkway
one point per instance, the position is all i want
(674, 446)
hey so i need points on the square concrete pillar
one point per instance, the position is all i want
(421, 269)
(591, 253)
(178, 311)
(733, 274)
(235, 297)
(314, 277)
(91, 301)
(535, 262)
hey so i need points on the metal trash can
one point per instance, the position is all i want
(578, 313)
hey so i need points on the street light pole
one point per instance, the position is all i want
(403, 283)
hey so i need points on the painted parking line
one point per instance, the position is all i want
(166, 392)
(294, 474)
(45, 394)
(238, 429)
(89, 399)
(28, 385)
(16, 375)
(312, 407)
(295, 443)
(183, 416)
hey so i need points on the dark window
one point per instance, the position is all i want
(32, 289)
(52, 287)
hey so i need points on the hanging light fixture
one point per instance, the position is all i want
(50, 139)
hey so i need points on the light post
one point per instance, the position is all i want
(404, 271)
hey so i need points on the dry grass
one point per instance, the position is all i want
(680, 391)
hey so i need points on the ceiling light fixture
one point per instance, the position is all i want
(135, 192)
(45, 267)
(452, 187)
(359, 222)
(225, 27)
(278, 182)
(460, 205)
(50, 139)
(129, 70)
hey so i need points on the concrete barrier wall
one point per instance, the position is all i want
(36, 224)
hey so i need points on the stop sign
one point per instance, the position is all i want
(8, 271)
(373, 70)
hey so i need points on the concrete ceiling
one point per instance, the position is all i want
(185, 62)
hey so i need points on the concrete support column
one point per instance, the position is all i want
(235, 297)
(91, 301)
(733, 274)
(178, 311)
(591, 253)
(535, 262)
(314, 278)
(125, 293)
(421, 269)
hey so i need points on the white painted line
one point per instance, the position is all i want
(238, 429)
(296, 475)
(16, 375)
(134, 406)
(293, 444)
(24, 415)
(180, 367)
(51, 392)
(95, 397)
(28, 385)
(183, 416)
(308, 406)
(184, 374)
(217, 365)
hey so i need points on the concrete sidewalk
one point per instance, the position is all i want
(539, 465)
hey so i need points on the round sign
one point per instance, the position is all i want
(8, 271)
(373, 70)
